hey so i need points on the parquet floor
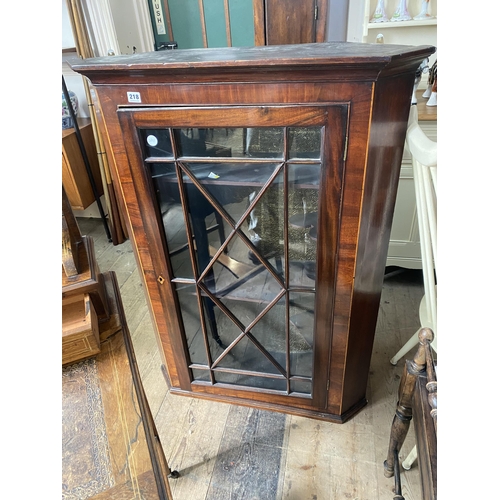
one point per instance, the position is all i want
(229, 452)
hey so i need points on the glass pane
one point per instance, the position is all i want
(265, 142)
(304, 142)
(246, 356)
(270, 331)
(251, 381)
(212, 142)
(251, 297)
(267, 225)
(157, 143)
(301, 386)
(192, 324)
(167, 196)
(301, 333)
(201, 375)
(210, 229)
(230, 142)
(221, 330)
(232, 185)
(192, 142)
(303, 182)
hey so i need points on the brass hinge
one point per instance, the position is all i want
(315, 12)
(345, 146)
(328, 385)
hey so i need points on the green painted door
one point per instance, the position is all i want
(202, 23)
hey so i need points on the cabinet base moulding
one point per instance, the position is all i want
(291, 410)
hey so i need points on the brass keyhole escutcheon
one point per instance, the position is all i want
(161, 279)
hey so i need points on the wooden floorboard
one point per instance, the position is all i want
(249, 456)
(225, 451)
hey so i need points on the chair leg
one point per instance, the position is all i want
(279, 265)
(220, 229)
(407, 347)
(410, 459)
(397, 480)
(212, 322)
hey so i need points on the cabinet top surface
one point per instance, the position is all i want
(301, 55)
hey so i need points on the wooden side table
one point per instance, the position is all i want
(74, 174)
(110, 446)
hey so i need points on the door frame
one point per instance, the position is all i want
(259, 16)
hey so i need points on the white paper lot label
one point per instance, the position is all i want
(134, 97)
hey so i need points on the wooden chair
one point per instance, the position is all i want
(417, 399)
(424, 159)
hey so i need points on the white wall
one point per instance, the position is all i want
(133, 25)
(73, 80)
(337, 20)
(68, 40)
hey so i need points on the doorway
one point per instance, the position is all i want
(283, 22)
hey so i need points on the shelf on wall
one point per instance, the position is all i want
(403, 24)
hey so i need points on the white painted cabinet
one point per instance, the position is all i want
(404, 245)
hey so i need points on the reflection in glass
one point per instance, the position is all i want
(301, 386)
(259, 142)
(267, 224)
(265, 142)
(226, 330)
(191, 142)
(246, 356)
(301, 333)
(201, 375)
(270, 331)
(157, 143)
(250, 381)
(228, 183)
(229, 142)
(303, 182)
(304, 142)
(192, 325)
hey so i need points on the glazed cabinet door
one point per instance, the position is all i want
(240, 208)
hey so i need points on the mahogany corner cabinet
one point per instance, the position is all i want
(259, 187)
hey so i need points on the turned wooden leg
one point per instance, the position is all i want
(402, 418)
(397, 490)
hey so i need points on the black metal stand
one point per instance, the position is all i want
(85, 159)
